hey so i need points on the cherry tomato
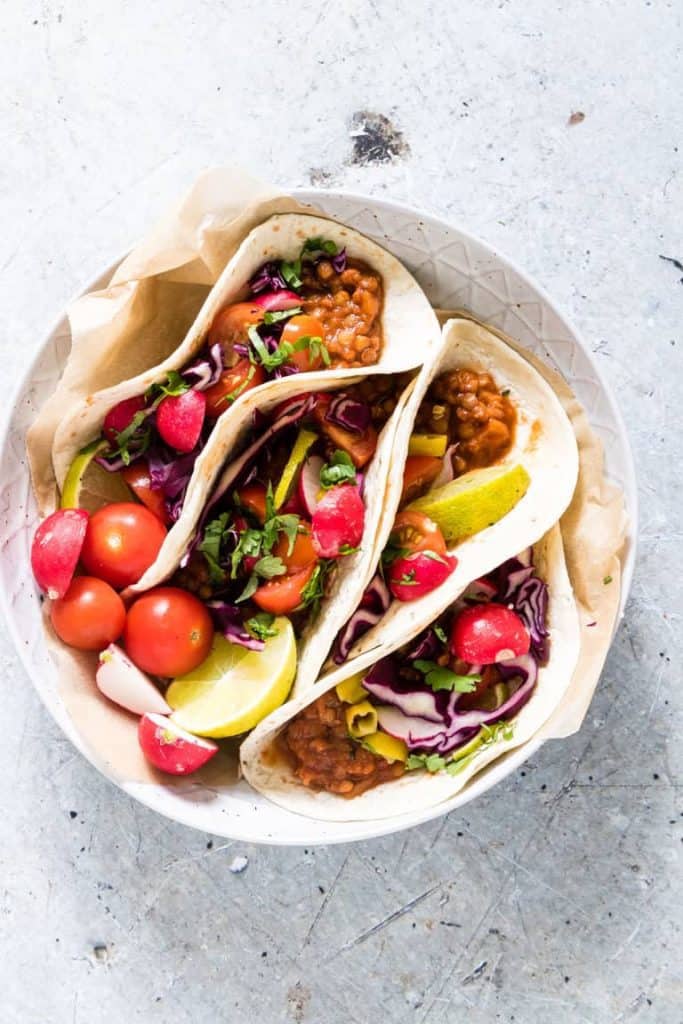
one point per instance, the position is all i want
(180, 419)
(241, 378)
(485, 633)
(253, 498)
(118, 418)
(361, 447)
(56, 549)
(414, 531)
(338, 521)
(302, 554)
(282, 595)
(121, 542)
(140, 482)
(168, 632)
(90, 616)
(170, 748)
(304, 326)
(418, 473)
(231, 326)
(418, 574)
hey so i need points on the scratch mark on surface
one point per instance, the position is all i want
(326, 899)
(629, 940)
(476, 973)
(385, 922)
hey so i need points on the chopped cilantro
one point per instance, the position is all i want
(210, 546)
(348, 549)
(440, 634)
(339, 470)
(261, 625)
(274, 316)
(271, 360)
(314, 591)
(440, 678)
(325, 245)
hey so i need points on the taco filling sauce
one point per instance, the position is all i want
(436, 702)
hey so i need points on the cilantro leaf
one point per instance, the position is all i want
(274, 316)
(284, 351)
(440, 634)
(269, 566)
(339, 470)
(314, 591)
(210, 546)
(261, 625)
(128, 434)
(348, 549)
(249, 544)
(432, 762)
(291, 273)
(319, 244)
(439, 678)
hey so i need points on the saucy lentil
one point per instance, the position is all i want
(349, 305)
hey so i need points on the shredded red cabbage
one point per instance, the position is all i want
(349, 413)
(267, 277)
(228, 621)
(374, 603)
(206, 370)
(339, 261)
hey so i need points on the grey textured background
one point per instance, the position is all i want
(557, 897)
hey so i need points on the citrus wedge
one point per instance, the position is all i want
(304, 440)
(87, 485)
(472, 502)
(234, 688)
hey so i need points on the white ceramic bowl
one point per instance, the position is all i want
(456, 270)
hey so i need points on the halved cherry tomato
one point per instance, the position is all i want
(282, 595)
(241, 378)
(121, 542)
(486, 633)
(118, 418)
(361, 447)
(414, 531)
(338, 521)
(90, 616)
(304, 326)
(180, 419)
(302, 554)
(138, 478)
(231, 325)
(253, 498)
(168, 632)
(419, 472)
(418, 574)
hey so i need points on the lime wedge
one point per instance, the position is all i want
(304, 440)
(87, 485)
(428, 444)
(475, 500)
(233, 689)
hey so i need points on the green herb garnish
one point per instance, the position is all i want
(339, 470)
(276, 315)
(439, 678)
(440, 634)
(261, 626)
(210, 546)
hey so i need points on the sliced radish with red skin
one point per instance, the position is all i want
(308, 486)
(180, 419)
(418, 574)
(56, 548)
(170, 748)
(124, 684)
(294, 504)
(271, 301)
(118, 418)
(488, 633)
(338, 521)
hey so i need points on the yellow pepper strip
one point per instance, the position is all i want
(304, 440)
(361, 719)
(388, 747)
(428, 444)
(351, 691)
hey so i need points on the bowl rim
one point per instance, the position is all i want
(479, 785)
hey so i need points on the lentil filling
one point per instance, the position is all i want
(349, 306)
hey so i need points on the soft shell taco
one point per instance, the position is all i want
(381, 737)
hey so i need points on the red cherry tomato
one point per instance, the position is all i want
(56, 549)
(282, 595)
(241, 378)
(302, 553)
(231, 326)
(361, 447)
(168, 632)
(418, 574)
(485, 633)
(414, 531)
(121, 542)
(170, 748)
(138, 478)
(180, 419)
(90, 616)
(253, 499)
(338, 521)
(304, 326)
(418, 473)
(118, 418)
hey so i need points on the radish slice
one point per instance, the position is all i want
(56, 549)
(172, 749)
(309, 483)
(123, 683)
(271, 301)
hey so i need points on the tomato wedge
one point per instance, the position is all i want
(253, 498)
(361, 447)
(302, 553)
(139, 480)
(414, 531)
(419, 472)
(282, 595)
(234, 382)
(231, 326)
(303, 326)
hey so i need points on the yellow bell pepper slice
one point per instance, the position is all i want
(386, 746)
(428, 444)
(351, 691)
(361, 719)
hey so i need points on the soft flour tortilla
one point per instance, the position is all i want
(409, 328)
(544, 444)
(266, 770)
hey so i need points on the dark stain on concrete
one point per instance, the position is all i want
(376, 140)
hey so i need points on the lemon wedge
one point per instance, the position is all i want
(234, 688)
(472, 502)
(87, 485)
(305, 439)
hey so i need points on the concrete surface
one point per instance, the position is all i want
(557, 898)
